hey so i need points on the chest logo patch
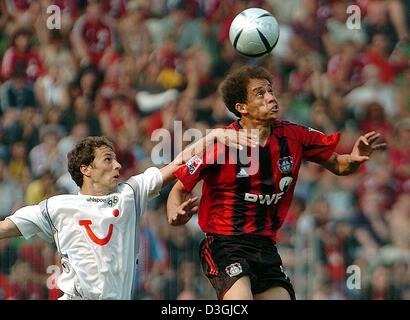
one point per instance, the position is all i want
(243, 173)
(94, 238)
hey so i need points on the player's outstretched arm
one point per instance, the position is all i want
(8, 229)
(179, 211)
(229, 137)
(345, 164)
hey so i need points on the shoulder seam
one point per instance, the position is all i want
(135, 200)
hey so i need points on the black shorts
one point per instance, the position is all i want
(225, 259)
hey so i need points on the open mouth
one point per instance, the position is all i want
(275, 108)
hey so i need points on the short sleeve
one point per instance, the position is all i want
(193, 170)
(316, 146)
(31, 221)
(148, 183)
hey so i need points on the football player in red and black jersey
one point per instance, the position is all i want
(240, 211)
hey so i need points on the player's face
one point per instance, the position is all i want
(105, 169)
(262, 105)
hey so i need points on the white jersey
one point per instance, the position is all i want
(97, 236)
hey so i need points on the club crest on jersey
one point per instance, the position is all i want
(193, 164)
(234, 269)
(285, 165)
(112, 201)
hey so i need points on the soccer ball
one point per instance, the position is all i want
(254, 32)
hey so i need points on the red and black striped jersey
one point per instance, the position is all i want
(237, 200)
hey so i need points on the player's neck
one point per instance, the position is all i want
(94, 190)
(264, 128)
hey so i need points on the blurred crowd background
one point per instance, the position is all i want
(125, 68)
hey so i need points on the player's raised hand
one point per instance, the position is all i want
(183, 213)
(365, 145)
(237, 139)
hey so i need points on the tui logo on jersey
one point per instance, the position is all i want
(96, 239)
(285, 165)
(193, 164)
(234, 269)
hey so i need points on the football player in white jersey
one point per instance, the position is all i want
(96, 231)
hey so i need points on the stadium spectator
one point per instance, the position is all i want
(344, 68)
(12, 195)
(311, 29)
(399, 221)
(403, 94)
(133, 33)
(119, 117)
(341, 116)
(23, 126)
(51, 91)
(378, 56)
(46, 156)
(92, 35)
(380, 287)
(373, 90)
(19, 56)
(374, 118)
(81, 111)
(371, 229)
(19, 11)
(400, 154)
(387, 18)
(338, 29)
(40, 189)
(8, 256)
(54, 52)
(17, 92)
(20, 284)
(78, 132)
(18, 164)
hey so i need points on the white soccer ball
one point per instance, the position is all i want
(254, 32)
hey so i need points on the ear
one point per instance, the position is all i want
(241, 108)
(85, 170)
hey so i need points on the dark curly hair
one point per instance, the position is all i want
(84, 154)
(234, 88)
